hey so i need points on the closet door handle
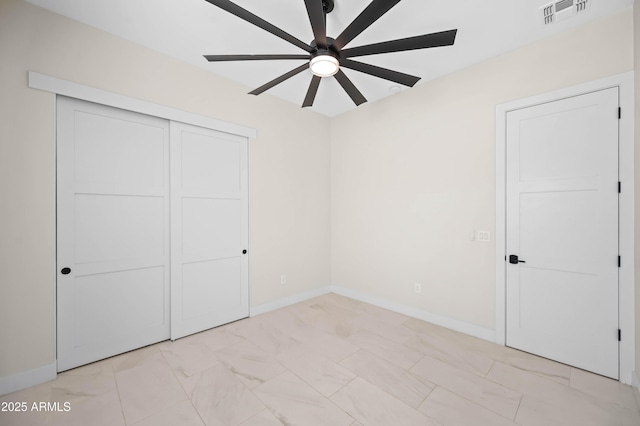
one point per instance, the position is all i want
(244, 252)
(65, 271)
(514, 259)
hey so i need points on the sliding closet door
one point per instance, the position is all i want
(112, 231)
(209, 221)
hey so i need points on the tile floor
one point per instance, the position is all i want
(328, 361)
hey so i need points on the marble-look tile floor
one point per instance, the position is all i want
(328, 361)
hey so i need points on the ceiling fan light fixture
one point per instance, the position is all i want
(324, 65)
(326, 55)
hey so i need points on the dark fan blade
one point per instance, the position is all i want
(387, 74)
(311, 93)
(444, 38)
(371, 14)
(225, 58)
(241, 13)
(348, 87)
(279, 80)
(316, 16)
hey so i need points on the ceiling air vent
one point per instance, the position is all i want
(563, 9)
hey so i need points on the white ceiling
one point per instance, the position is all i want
(188, 29)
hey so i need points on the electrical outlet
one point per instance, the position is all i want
(283, 279)
(417, 287)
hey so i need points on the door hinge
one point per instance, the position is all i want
(619, 187)
(619, 335)
(619, 113)
(619, 262)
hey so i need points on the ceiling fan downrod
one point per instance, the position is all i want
(327, 6)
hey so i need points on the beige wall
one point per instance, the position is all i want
(414, 175)
(289, 167)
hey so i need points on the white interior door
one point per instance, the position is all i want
(112, 231)
(562, 223)
(209, 221)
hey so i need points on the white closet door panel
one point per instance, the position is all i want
(211, 286)
(209, 221)
(211, 227)
(116, 151)
(127, 227)
(113, 231)
(210, 163)
(106, 304)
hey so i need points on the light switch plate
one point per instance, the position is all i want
(484, 236)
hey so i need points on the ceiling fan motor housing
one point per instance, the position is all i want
(325, 52)
(321, 51)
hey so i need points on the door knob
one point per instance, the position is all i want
(65, 271)
(514, 259)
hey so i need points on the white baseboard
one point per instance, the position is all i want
(441, 320)
(28, 378)
(635, 382)
(451, 323)
(286, 301)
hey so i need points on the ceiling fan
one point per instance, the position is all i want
(325, 55)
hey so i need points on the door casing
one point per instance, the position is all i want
(625, 83)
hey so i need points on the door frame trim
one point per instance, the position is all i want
(626, 308)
